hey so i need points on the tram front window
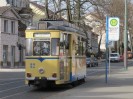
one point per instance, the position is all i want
(41, 48)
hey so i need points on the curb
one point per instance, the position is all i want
(12, 70)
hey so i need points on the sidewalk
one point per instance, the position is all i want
(119, 86)
(13, 69)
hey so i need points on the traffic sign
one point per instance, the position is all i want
(113, 28)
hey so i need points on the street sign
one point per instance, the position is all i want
(113, 28)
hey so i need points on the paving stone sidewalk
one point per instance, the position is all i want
(119, 86)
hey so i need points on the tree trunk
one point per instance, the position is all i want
(99, 44)
(78, 12)
(46, 9)
(68, 10)
(59, 7)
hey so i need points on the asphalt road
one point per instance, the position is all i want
(12, 84)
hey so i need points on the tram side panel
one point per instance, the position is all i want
(78, 62)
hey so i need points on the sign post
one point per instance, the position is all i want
(112, 34)
(106, 71)
(110, 45)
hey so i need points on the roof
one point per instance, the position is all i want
(3, 9)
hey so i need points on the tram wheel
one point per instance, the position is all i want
(75, 83)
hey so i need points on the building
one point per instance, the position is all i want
(94, 43)
(8, 36)
(92, 39)
(16, 15)
(98, 29)
(38, 10)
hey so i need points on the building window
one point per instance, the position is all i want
(13, 27)
(5, 53)
(6, 26)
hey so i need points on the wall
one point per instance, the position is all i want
(10, 40)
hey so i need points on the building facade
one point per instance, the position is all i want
(94, 43)
(8, 36)
(96, 25)
(16, 15)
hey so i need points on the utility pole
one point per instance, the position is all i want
(125, 37)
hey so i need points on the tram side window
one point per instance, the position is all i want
(61, 44)
(64, 43)
(55, 46)
(78, 47)
(29, 46)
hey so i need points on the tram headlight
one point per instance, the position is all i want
(29, 75)
(54, 75)
(41, 70)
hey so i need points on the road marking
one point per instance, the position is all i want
(13, 88)
(89, 74)
(12, 70)
(9, 83)
(13, 95)
(11, 79)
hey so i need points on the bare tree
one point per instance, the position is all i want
(46, 9)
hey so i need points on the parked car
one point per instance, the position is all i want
(89, 62)
(114, 57)
(95, 62)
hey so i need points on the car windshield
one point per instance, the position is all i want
(88, 59)
(113, 55)
(95, 59)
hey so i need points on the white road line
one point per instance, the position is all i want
(12, 70)
(13, 95)
(10, 83)
(10, 79)
(91, 73)
(12, 88)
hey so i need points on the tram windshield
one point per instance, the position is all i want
(41, 48)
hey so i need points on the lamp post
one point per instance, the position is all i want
(125, 37)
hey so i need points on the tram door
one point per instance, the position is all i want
(65, 56)
(68, 56)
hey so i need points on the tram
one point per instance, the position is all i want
(55, 54)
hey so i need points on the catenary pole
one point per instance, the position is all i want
(125, 37)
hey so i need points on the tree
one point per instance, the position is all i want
(46, 9)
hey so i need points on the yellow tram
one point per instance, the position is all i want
(55, 53)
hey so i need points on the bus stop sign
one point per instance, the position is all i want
(113, 28)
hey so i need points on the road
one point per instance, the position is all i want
(12, 84)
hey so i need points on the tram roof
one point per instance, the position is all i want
(62, 25)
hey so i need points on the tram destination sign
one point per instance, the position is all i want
(113, 28)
